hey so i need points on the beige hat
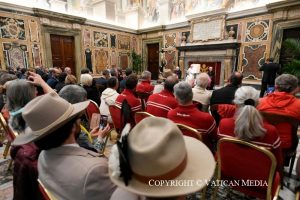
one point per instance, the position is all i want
(159, 154)
(44, 114)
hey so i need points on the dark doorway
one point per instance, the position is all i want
(293, 33)
(62, 48)
(153, 59)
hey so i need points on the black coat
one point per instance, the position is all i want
(224, 95)
(270, 70)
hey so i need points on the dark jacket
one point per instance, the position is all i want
(25, 172)
(270, 70)
(224, 95)
(92, 94)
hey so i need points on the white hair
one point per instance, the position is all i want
(248, 122)
(202, 80)
(86, 79)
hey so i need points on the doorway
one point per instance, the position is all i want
(153, 59)
(204, 68)
(62, 48)
(293, 33)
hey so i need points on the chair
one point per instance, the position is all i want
(9, 133)
(115, 112)
(287, 128)
(189, 131)
(144, 97)
(91, 109)
(242, 164)
(46, 194)
(139, 116)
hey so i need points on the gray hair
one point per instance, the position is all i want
(248, 122)
(183, 93)
(202, 80)
(86, 79)
(73, 93)
(146, 75)
(19, 92)
(286, 83)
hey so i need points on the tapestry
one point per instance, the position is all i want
(123, 42)
(257, 31)
(112, 40)
(86, 37)
(170, 40)
(253, 58)
(101, 60)
(34, 30)
(124, 60)
(100, 39)
(15, 55)
(36, 55)
(12, 28)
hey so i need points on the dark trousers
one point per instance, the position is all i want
(263, 89)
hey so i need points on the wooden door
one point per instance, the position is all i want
(153, 59)
(62, 48)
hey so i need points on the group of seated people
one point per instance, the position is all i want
(53, 147)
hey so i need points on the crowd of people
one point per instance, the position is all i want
(55, 144)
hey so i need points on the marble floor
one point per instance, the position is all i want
(287, 193)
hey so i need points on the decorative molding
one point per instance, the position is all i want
(282, 5)
(247, 13)
(109, 26)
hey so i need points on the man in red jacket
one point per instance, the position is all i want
(145, 85)
(188, 114)
(282, 101)
(160, 104)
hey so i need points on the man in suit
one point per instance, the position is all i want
(66, 170)
(270, 70)
(225, 95)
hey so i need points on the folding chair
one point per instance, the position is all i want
(189, 131)
(139, 116)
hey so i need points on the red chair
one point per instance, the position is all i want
(287, 128)
(242, 163)
(115, 112)
(139, 116)
(91, 109)
(46, 194)
(189, 131)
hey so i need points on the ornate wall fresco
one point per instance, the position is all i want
(100, 39)
(171, 59)
(124, 42)
(15, 55)
(253, 58)
(257, 31)
(152, 11)
(12, 28)
(36, 55)
(124, 60)
(34, 30)
(170, 40)
(101, 60)
(176, 9)
(86, 37)
(113, 40)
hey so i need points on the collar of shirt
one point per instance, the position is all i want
(186, 108)
(166, 93)
(71, 145)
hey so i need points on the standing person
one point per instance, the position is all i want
(211, 75)
(178, 72)
(270, 70)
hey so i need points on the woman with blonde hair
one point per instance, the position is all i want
(70, 79)
(248, 124)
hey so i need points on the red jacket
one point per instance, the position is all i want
(160, 104)
(145, 87)
(280, 103)
(191, 116)
(271, 140)
(132, 100)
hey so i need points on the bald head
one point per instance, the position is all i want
(170, 82)
(236, 79)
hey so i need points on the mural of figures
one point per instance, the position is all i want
(152, 10)
(123, 42)
(101, 60)
(36, 55)
(88, 59)
(100, 39)
(86, 37)
(134, 44)
(12, 28)
(170, 58)
(176, 9)
(112, 40)
(124, 60)
(15, 55)
(192, 5)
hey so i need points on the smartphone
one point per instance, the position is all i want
(103, 121)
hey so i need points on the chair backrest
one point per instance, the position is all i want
(287, 128)
(46, 194)
(139, 116)
(10, 134)
(144, 97)
(241, 161)
(115, 112)
(189, 131)
(92, 108)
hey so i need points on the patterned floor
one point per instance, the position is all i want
(6, 186)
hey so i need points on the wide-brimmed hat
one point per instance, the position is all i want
(164, 163)
(44, 114)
